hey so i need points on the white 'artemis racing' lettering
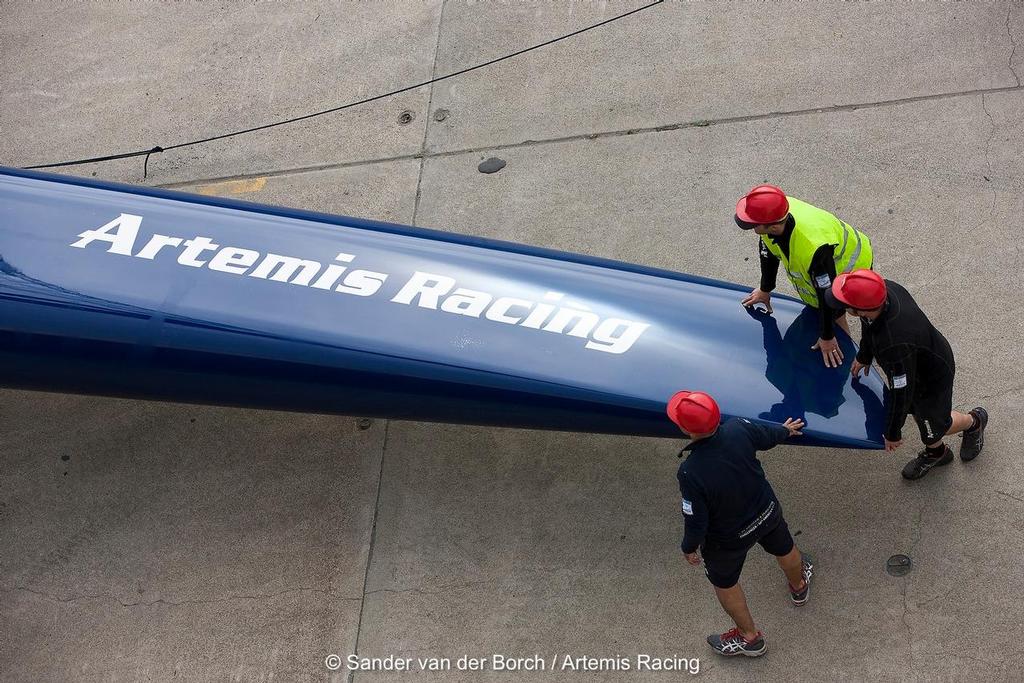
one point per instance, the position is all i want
(425, 290)
(429, 290)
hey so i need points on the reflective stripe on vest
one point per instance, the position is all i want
(855, 255)
(813, 228)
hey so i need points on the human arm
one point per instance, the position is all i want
(769, 266)
(901, 367)
(769, 272)
(866, 353)
(695, 514)
(823, 272)
(766, 436)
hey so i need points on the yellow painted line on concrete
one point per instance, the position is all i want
(233, 187)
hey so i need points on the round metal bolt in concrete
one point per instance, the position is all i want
(492, 165)
(365, 423)
(898, 565)
(441, 115)
(406, 117)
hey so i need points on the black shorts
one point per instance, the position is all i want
(724, 563)
(932, 412)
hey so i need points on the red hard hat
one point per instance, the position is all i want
(694, 412)
(763, 205)
(862, 289)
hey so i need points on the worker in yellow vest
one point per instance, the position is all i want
(813, 246)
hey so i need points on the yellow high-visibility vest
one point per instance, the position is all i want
(814, 228)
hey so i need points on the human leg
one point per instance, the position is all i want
(970, 426)
(935, 418)
(794, 564)
(958, 422)
(974, 435)
(734, 602)
(745, 639)
(723, 568)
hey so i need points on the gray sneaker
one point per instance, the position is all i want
(732, 643)
(922, 464)
(974, 441)
(799, 597)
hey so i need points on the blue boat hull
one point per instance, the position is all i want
(145, 293)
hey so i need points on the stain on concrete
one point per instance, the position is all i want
(492, 165)
(228, 188)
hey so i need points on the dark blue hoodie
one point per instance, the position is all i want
(723, 485)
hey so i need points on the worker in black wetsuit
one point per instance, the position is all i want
(813, 246)
(728, 506)
(918, 363)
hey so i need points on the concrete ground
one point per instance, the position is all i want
(144, 541)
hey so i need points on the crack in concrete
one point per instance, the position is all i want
(1013, 42)
(285, 172)
(957, 584)
(938, 597)
(171, 603)
(438, 591)
(988, 178)
(906, 625)
(960, 655)
(988, 164)
(373, 538)
(906, 582)
(1008, 495)
(991, 134)
(427, 117)
(991, 208)
(423, 155)
(917, 529)
(1000, 394)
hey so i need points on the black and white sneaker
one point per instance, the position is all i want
(799, 597)
(732, 643)
(922, 464)
(974, 439)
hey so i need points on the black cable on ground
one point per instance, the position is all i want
(157, 148)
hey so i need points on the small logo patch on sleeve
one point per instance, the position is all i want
(824, 281)
(899, 381)
(687, 507)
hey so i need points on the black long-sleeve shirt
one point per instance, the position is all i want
(724, 488)
(822, 272)
(915, 356)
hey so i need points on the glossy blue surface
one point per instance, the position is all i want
(384, 320)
